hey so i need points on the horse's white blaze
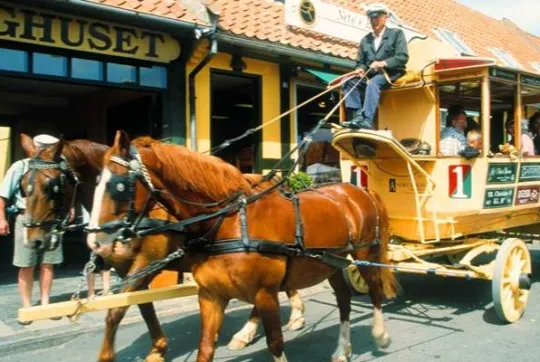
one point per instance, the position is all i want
(96, 207)
(343, 349)
(280, 359)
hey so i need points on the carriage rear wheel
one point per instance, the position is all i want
(511, 280)
(355, 281)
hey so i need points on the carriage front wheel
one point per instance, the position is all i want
(511, 280)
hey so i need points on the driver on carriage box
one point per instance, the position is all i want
(382, 51)
(24, 258)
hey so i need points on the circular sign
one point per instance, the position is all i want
(307, 12)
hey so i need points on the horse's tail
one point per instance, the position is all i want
(389, 285)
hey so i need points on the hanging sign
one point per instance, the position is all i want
(527, 195)
(495, 198)
(501, 173)
(34, 26)
(529, 172)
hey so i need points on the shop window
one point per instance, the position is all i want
(48, 64)
(460, 117)
(13, 60)
(153, 77)
(503, 96)
(86, 69)
(530, 134)
(121, 73)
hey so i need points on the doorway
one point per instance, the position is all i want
(235, 108)
(136, 117)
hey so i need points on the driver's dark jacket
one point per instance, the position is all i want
(393, 50)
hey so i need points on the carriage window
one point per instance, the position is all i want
(460, 105)
(530, 102)
(503, 97)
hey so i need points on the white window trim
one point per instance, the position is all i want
(439, 32)
(517, 64)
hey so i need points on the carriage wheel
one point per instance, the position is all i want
(511, 280)
(355, 281)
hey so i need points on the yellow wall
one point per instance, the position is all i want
(269, 73)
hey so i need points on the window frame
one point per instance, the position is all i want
(502, 55)
(454, 40)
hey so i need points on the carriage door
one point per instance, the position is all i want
(235, 102)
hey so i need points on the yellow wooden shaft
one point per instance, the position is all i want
(70, 308)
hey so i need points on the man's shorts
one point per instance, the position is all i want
(24, 257)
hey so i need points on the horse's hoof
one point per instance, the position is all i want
(154, 357)
(383, 340)
(297, 324)
(344, 355)
(236, 344)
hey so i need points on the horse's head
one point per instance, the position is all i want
(49, 187)
(123, 196)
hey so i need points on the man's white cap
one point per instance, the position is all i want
(44, 140)
(377, 9)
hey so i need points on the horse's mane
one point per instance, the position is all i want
(188, 170)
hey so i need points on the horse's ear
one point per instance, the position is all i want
(122, 142)
(59, 147)
(28, 145)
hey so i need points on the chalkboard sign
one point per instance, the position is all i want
(529, 172)
(495, 198)
(501, 173)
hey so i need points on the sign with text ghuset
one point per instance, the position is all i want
(459, 182)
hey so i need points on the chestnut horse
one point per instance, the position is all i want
(250, 245)
(85, 159)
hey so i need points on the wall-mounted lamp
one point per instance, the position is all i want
(237, 64)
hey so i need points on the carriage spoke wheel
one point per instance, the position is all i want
(355, 281)
(511, 280)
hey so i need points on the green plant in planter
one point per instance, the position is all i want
(299, 181)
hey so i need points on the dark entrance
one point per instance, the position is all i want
(236, 108)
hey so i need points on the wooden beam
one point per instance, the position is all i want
(71, 308)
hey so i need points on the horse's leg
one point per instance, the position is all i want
(378, 331)
(267, 303)
(343, 295)
(244, 337)
(296, 320)
(115, 316)
(211, 309)
(159, 341)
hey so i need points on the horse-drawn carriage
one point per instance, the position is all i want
(459, 207)
(247, 228)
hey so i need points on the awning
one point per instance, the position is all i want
(324, 77)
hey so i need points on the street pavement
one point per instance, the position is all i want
(435, 319)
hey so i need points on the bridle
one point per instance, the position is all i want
(55, 191)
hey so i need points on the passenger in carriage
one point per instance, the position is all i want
(534, 129)
(453, 139)
(382, 51)
(527, 144)
(474, 139)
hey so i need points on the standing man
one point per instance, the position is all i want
(24, 258)
(384, 49)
